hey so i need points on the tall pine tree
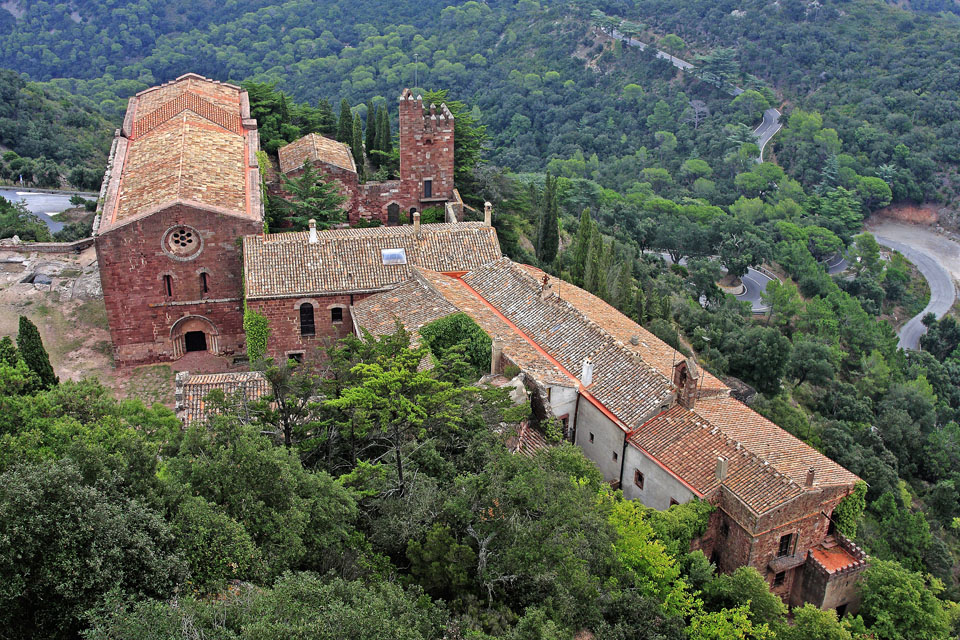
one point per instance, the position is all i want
(549, 236)
(356, 144)
(327, 122)
(595, 278)
(345, 126)
(33, 353)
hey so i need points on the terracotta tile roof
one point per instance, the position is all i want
(689, 446)
(622, 382)
(315, 148)
(650, 348)
(526, 441)
(192, 390)
(351, 260)
(786, 453)
(220, 94)
(414, 303)
(188, 141)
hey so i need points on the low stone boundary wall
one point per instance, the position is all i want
(49, 247)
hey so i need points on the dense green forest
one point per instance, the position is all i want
(547, 83)
(346, 511)
(600, 160)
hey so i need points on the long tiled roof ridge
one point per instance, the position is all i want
(628, 387)
(351, 259)
(314, 147)
(609, 339)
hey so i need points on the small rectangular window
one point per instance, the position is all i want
(784, 549)
(724, 529)
(779, 578)
(591, 437)
(615, 456)
(168, 285)
(638, 478)
(336, 315)
(203, 282)
(296, 356)
(428, 188)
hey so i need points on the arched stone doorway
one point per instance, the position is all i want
(194, 333)
(393, 214)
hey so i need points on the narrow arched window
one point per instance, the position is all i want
(307, 326)
(336, 315)
(168, 285)
(203, 282)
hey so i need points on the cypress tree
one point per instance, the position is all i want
(581, 246)
(345, 126)
(625, 294)
(327, 122)
(356, 144)
(549, 225)
(284, 109)
(595, 279)
(31, 350)
(372, 124)
(384, 137)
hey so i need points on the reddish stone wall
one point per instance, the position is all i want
(735, 538)
(140, 314)
(283, 315)
(426, 150)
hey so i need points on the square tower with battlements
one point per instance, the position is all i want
(426, 151)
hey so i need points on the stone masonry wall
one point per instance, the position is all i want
(132, 264)
(426, 149)
(283, 315)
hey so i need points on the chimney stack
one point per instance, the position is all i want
(586, 375)
(546, 288)
(722, 464)
(811, 472)
(496, 353)
(416, 223)
(314, 239)
(487, 214)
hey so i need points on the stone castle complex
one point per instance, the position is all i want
(182, 251)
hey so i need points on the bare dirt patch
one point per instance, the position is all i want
(922, 214)
(67, 307)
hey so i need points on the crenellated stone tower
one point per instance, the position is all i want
(426, 151)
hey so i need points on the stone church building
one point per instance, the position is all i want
(182, 187)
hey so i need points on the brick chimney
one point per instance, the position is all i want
(416, 223)
(314, 239)
(586, 374)
(686, 377)
(496, 353)
(722, 465)
(546, 288)
(811, 473)
(487, 214)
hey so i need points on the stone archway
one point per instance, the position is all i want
(194, 333)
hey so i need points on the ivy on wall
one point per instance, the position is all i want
(848, 513)
(459, 331)
(257, 329)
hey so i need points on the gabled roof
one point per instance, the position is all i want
(351, 260)
(192, 391)
(624, 383)
(314, 147)
(549, 335)
(189, 141)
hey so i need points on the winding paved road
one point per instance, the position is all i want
(942, 291)
(42, 205)
(767, 129)
(771, 117)
(754, 283)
